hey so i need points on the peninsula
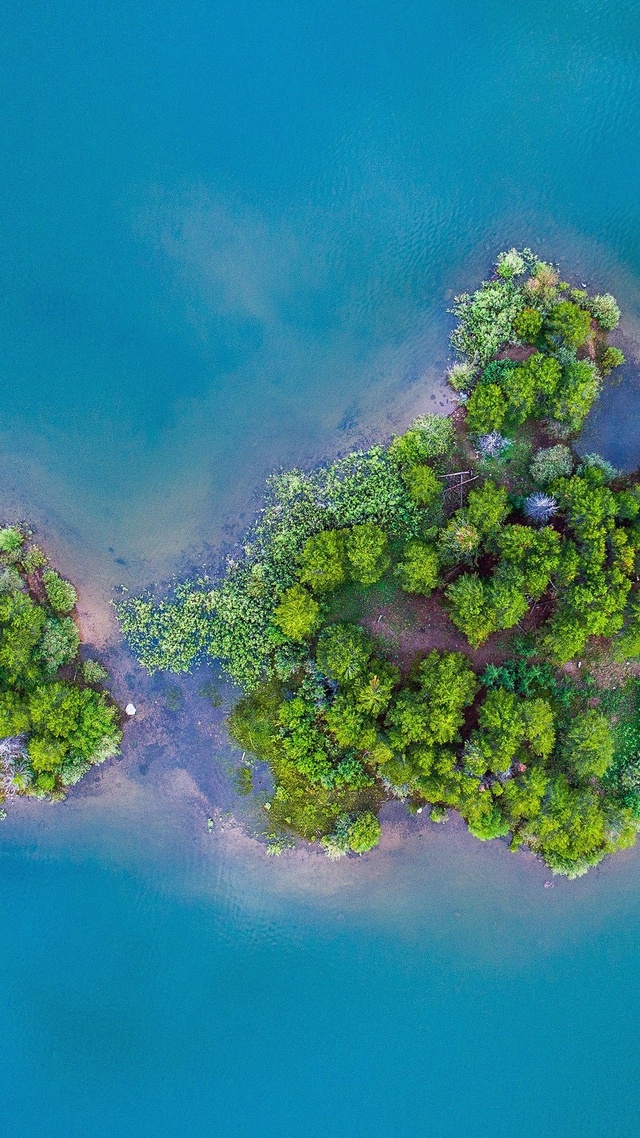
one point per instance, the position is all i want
(452, 620)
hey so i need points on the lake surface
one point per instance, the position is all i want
(230, 235)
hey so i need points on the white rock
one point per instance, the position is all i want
(130, 709)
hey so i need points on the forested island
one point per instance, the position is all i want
(56, 721)
(452, 620)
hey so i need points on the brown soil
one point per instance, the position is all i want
(412, 626)
(516, 352)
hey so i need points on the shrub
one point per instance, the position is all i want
(367, 554)
(485, 320)
(344, 651)
(60, 593)
(11, 539)
(423, 485)
(430, 436)
(492, 445)
(461, 377)
(486, 409)
(596, 463)
(576, 393)
(570, 323)
(297, 614)
(418, 571)
(610, 358)
(487, 508)
(60, 643)
(510, 264)
(93, 672)
(322, 564)
(605, 310)
(527, 325)
(589, 745)
(356, 832)
(551, 463)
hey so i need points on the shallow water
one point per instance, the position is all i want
(230, 235)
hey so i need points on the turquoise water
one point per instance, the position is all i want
(230, 234)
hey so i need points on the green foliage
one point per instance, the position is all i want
(11, 539)
(298, 614)
(527, 325)
(551, 463)
(423, 485)
(355, 833)
(578, 388)
(431, 436)
(343, 653)
(486, 409)
(588, 746)
(485, 320)
(554, 762)
(59, 644)
(322, 564)
(418, 571)
(605, 310)
(487, 508)
(367, 554)
(60, 593)
(570, 323)
(610, 358)
(93, 672)
(53, 730)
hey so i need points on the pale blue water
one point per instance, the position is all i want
(229, 235)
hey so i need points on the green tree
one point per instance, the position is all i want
(344, 652)
(61, 594)
(487, 508)
(418, 571)
(423, 485)
(486, 409)
(367, 553)
(298, 614)
(589, 745)
(527, 325)
(570, 323)
(322, 564)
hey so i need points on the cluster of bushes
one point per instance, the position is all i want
(539, 540)
(54, 723)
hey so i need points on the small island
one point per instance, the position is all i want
(452, 620)
(56, 721)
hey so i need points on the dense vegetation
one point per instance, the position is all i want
(55, 721)
(522, 711)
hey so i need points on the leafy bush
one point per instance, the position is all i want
(418, 571)
(11, 539)
(423, 485)
(60, 593)
(297, 615)
(486, 409)
(527, 325)
(323, 561)
(93, 672)
(605, 310)
(570, 323)
(610, 358)
(551, 463)
(367, 554)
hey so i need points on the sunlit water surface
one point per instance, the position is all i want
(230, 235)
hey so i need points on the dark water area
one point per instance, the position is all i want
(230, 236)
